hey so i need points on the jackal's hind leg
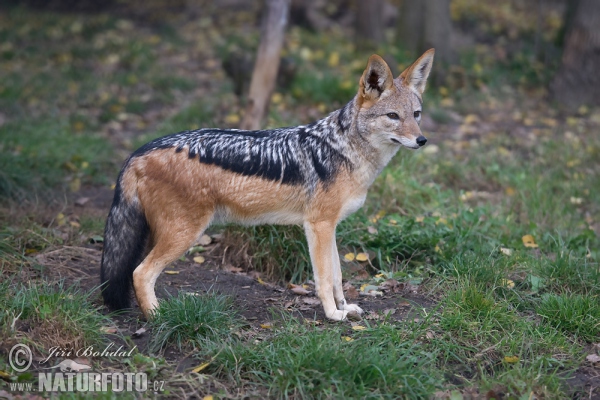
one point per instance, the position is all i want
(170, 240)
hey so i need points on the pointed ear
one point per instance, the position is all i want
(416, 75)
(376, 80)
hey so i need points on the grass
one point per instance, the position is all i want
(57, 315)
(501, 164)
(308, 362)
(188, 320)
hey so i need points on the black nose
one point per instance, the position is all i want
(421, 140)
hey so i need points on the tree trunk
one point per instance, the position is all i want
(438, 30)
(267, 64)
(424, 24)
(577, 81)
(410, 26)
(369, 23)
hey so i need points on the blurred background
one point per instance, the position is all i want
(512, 100)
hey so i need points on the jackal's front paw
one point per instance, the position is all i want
(353, 308)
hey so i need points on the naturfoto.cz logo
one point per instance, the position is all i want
(71, 376)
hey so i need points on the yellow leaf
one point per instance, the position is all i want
(359, 328)
(153, 39)
(508, 283)
(347, 84)
(266, 326)
(362, 257)
(75, 185)
(277, 98)
(510, 191)
(380, 214)
(511, 359)
(199, 259)
(419, 218)
(393, 222)
(75, 224)
(260, 281)
(172, 272)
(334, 59)
(379, 275)
(347, 338)
(201, 367)
(232, 119)
(349, 257)
(529, 241)
(471, 119)
(576, 200)
(208, 397)
(78, 126)
(60, 219)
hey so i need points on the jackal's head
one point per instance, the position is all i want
(390, 109)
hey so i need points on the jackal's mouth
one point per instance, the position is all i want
(406, 143)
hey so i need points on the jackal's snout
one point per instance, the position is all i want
(421, 140)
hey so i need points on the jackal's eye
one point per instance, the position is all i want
(417, 114)
(393, 116)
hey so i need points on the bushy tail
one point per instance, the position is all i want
(125, 238)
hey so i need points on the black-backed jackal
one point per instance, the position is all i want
(171, 189)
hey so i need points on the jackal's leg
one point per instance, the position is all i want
(171, 239)
(338, 291)
(320, 236)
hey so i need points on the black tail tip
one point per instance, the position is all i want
(116, 299)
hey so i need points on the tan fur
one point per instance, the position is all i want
(179, 203)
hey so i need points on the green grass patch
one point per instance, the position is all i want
(58, 315)
(572, 313)
(311, 363)
(190, 320)
(39, 155)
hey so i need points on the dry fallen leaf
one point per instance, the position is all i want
(347, 338)
(81, 201)
(138, 333)
(300, 290)
(593, 358)
(201, 367)
(349, 257)
(199, 259)
(172, 272)
(311, 301)
(529, 241)
(511, 359)
(231, 268)
(508, 283)
(359, 328)
(372, 230)
(351, 293)
(505, 251)
(362, 257)
(205, 240)
(266, 325)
